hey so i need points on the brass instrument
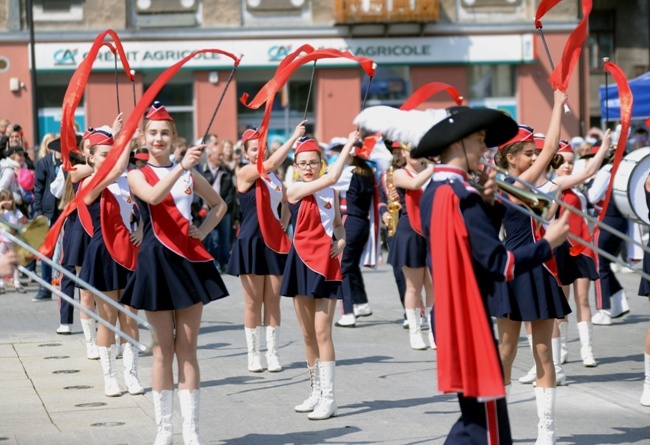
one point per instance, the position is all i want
(27, 239)
(545, 200)
(393, 204)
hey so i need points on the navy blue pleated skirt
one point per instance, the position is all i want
(407, 247)
(165, 281)
(100, 269)
(298, 279)
(530, 296)
(250, 255)
(570, 268)
(79, 241)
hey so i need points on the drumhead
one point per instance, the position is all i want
(629, 185)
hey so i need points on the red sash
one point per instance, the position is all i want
(171, 227)
(117, 236)
(468, 361)
(577, 225)
(312, 243)
(270, 226)
(550, 264)
(412, 199)
(85, 218)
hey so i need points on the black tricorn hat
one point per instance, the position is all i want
(55, 144)
(460, 123)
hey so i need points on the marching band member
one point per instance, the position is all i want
(644, 291)
(253, 257)
(579, 269)
(175, 276)
(312, 275)
(536, 295)
(110, 256)
(358, 191)
(468, 259)
(408, 249)
(611, 301)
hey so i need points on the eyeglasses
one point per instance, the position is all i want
(303, 165)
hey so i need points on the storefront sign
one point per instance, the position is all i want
(514, 48)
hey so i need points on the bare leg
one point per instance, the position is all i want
(272, 316)
(188, 322)
(162, 373)
(508, 340)
(324, 317)
(581, 293)
(542, 352)
(306, 314)
(254, 297)
(106, 337)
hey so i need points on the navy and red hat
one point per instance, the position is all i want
(249, 135)
(524, 134)
(101, 136)
(565, 147)
(158, 112)
(306, 144)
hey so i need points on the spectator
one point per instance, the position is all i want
(43, 151)
(9, 168)
(10, 214)
(45, 203)
(228, 154)
(222, 180)
(180, 147)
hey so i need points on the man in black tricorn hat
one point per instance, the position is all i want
(468, 259)
(467, 262)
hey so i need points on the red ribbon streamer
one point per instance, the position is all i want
(122, 143)
(428, 90)
(561, 75)
(267, 93)
(626, 100)
(76, 89)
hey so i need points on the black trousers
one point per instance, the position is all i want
(357, 232)
(481, 423)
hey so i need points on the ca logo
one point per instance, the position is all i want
(65, 57)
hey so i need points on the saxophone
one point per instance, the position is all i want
(393, 204)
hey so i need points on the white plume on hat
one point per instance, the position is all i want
(407, 127)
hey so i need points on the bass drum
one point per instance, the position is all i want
(629, 186)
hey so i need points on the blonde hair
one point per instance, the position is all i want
(172, 126)
(6, 195)
(43, 150)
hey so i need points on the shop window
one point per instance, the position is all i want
(390, 86)
(486, 81)
(58, 10)
(178, 98)
(601, 37)
(49, 97)
(280, 13)
(274, 5)
(489, 3)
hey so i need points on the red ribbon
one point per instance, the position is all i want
(626, 100)
(561, 75)
(76, 89)
(428, 90)
(266, 95)
(121, 143)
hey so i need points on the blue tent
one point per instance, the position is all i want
(640, 91)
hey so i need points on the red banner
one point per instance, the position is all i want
(561, 75)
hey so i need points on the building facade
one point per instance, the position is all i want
(488, 49)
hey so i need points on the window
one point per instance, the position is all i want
(601, 37)
(491, 81)
(58, 10)
(288, 107)
(178, 98)
(390, 86)
(166, 13)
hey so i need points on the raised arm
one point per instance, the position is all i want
(248, 174)
(155, 194)
(551, 142)
(116, 170)
(404, 181)
(568, 181)
(298, 190)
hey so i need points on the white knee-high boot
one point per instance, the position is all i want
(163, 405)
(585, 329)
(560, 375)
(272, 355)
(107, 358)
(645, 398)
(432, 341)
(563, 326)
(314, 396)
(130, 360)
(190, 412)
(326, 408)
(531, 376)
(545, 398)
(415, 330)
(253, 344)
(89, 326)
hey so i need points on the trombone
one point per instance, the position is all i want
(543, 202)
(27, 239)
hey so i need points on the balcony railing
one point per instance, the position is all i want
(383, 11)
